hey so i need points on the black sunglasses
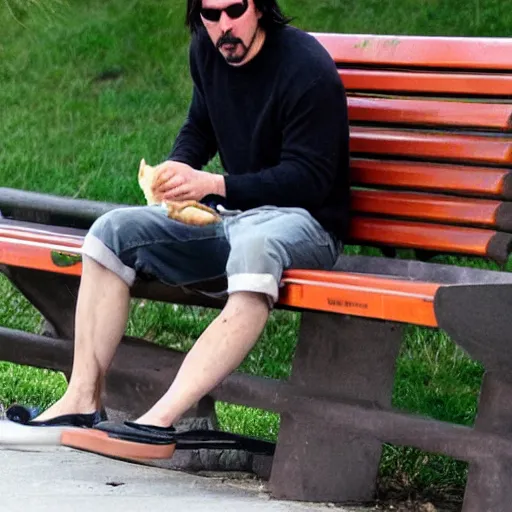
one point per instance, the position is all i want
(233, 11)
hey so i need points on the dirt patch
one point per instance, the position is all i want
(394, 495)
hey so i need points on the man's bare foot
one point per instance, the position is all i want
(67, 405)
(156, 420)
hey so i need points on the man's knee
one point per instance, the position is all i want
(255, 265)
(105, 242)
(125, 228)
(113, 228)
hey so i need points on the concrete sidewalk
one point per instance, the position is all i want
(64, 479)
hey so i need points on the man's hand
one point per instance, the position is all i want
(177, 181)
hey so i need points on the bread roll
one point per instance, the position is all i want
(191, 212)
(188, 212)
(147, 176)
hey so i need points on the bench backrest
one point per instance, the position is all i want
(431, 141)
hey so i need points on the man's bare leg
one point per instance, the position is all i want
(101, 317)
(217, 352)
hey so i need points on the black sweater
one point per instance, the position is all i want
(279, 124)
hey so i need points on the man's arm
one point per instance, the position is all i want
(315, 136)
(196, 143)
(180, 177)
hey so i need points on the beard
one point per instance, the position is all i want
(228, 39)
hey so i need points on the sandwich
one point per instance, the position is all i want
(189, 212)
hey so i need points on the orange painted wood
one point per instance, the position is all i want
(359, 295)
(486, 181)
(35, 255)
(430, 207)
(41, 237)
(420, 235)
(373, 281)
(433, 52)
(399, 82)
(368, 296)
(18, 228)
(419, 144)
(431, 112)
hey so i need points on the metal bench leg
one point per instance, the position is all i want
(341, 357)
(489, 486)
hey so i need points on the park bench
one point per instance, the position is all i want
(431, 145)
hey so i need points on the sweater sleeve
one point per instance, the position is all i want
(195, 144)
(315, 132)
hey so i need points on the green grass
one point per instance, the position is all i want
(89, 87)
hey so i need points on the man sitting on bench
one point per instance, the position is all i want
(267, 97)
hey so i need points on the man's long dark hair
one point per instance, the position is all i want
(272, 16)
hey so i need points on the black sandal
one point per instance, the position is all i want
(134, 441)
(24, 415)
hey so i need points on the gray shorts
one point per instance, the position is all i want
(251, 248)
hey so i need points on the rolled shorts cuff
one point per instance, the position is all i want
(259, 283)
(94, 248)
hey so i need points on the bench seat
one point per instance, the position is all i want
(338, 292)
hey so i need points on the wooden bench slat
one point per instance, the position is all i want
(479, 181)
(35, 255)
(432, 207)
(430, 52)
(441, 146)
(359, 295)
(430, 112)
(10, 225)
(400, 82)
(378, 282)
(41, 237)
(431, 237)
